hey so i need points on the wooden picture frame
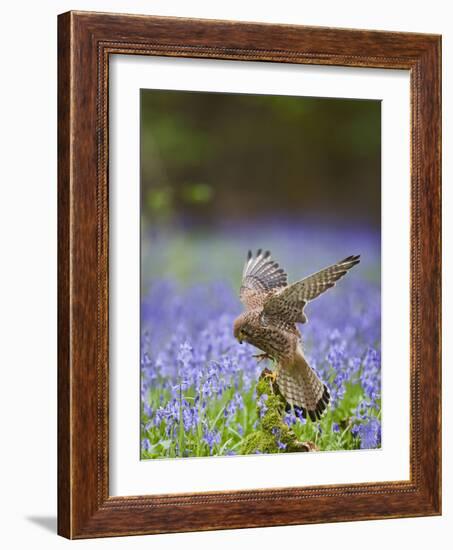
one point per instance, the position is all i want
(85, 42)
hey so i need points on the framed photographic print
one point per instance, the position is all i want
(249, 275)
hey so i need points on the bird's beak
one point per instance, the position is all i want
(239, 339)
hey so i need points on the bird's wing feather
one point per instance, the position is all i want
(260, 276)
(289, 302)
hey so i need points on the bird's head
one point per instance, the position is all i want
(241, 329)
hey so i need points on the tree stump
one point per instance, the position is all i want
(273, 434)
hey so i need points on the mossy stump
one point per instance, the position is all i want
(273, 435)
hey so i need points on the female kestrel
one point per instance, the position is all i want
(272, 309)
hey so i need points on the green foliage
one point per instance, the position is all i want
(197, 193)
(159, 200)
(252, 433)
(192, 443)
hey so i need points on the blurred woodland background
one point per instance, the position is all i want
(211, 158)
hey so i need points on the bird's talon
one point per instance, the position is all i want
(271, 376)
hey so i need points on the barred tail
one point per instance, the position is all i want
(302, 389)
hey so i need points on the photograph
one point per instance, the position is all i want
(226, 260)
(260, 274)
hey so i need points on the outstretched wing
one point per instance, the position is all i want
(260, 276)
(289, 303)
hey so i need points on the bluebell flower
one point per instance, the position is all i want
(146, 445)
(212, 438)
(262, 405)
(370, 434)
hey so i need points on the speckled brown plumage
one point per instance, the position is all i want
(272, 309)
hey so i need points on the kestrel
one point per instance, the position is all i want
(272, 309)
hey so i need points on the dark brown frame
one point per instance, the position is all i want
(85, 42)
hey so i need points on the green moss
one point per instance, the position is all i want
(259, 442)
(262, 386)
(272, 435)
